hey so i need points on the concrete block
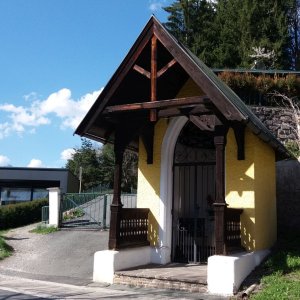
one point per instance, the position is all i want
(107, 262)
(226, 273)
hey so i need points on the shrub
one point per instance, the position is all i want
(15, 215)
(259, 89)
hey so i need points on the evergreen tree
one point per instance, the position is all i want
(226, 33)
(192, 23)
(229, 32)
(294, 33)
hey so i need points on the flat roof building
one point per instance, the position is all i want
(26, 184)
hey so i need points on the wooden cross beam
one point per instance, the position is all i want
(177, 102)
(163, 70)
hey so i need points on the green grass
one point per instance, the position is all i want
(5, 249)
(282, 271)
(43, 229)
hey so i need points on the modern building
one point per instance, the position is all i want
(26, 184)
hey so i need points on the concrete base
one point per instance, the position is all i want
(226, 273)
(106, 262)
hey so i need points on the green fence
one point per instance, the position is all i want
(90, 210)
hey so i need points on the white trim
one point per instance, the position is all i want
(166, 187)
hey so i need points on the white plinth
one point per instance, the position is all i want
(226, 273)
(106, 262)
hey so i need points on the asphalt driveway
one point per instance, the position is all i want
(64, 256)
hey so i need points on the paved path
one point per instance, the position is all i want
(15, 287)
(60, 265)
(63, 256)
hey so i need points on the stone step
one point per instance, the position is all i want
(160, 283)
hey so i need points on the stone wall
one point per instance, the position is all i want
(278, 120)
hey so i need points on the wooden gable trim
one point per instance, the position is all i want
(117, 78)
(200, 78)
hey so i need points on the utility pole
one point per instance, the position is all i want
(80, 178)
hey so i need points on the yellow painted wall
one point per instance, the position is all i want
(251, 185)
(148, 192)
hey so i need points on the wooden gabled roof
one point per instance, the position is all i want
(131, 89)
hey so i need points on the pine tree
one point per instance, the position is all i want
(192, 23)
(294, 33)
(227, 33)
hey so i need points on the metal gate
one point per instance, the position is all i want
(90, 210)
(193, 217)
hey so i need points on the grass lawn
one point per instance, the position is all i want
(5, 249)
(282, 271)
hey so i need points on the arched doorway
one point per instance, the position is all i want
(193, 195)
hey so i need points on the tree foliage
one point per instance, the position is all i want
(97, 163)
(229, 33)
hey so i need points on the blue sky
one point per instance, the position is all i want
(55, 57)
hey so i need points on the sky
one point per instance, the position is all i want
(55, 58)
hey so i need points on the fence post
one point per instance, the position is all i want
(104, 211)
(54, 206)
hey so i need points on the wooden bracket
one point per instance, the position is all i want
(148, 141)
(204, 122)
(162, 71)
(239, 133)
(142, 71)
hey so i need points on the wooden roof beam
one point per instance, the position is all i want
(166, 67)
(153, 77)
(175, 112)
(141, 71)
(158, 104)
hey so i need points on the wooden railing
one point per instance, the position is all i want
(133, 227)
(233, 229)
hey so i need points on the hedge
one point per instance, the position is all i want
(15, 215)
(259, 89)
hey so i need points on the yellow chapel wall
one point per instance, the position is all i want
(148, 191)
(251, 185)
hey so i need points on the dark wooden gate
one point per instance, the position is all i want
(193, 217)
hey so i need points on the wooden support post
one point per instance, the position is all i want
(148, 141)
(116, 206)
(153, 112)
(220, 204)
(239, 133)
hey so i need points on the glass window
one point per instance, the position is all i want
(39, 194)
(14, 195)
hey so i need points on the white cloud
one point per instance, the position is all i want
(155, 5)
(67, 154)
(35, 163)
(4, 161)
(60, 104)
